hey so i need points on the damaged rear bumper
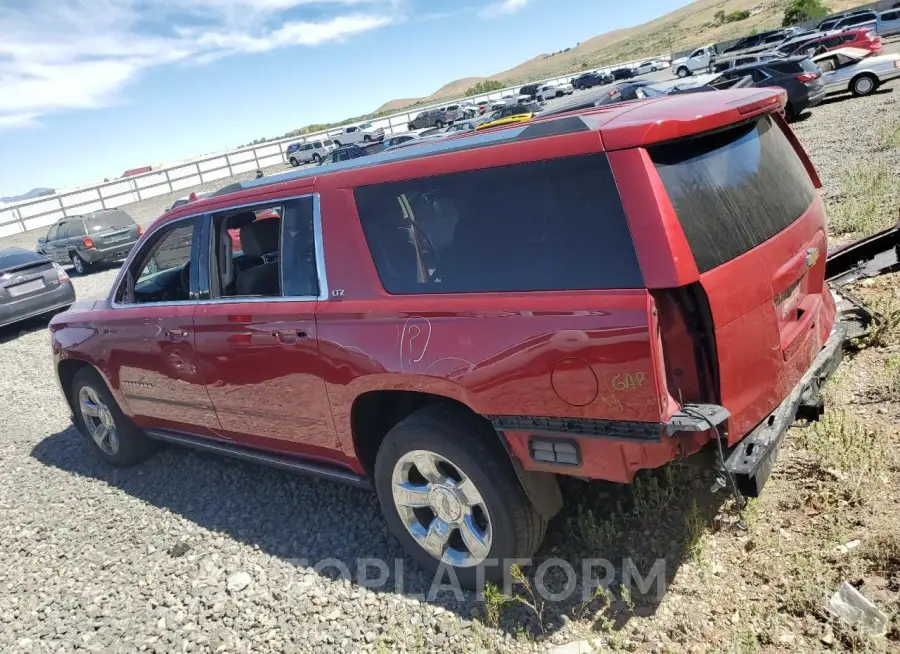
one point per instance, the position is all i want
(752, 459)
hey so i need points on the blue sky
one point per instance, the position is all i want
(89, 88)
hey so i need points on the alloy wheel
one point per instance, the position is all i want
(99, 420)
(441, 508)
(78, 264)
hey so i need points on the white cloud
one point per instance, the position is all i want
(503, 8)
(79, 54)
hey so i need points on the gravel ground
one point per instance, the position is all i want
(194, 553)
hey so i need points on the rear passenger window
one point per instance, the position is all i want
(733, 189)
(550, 225)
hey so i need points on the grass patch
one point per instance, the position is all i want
(888, 137)
(844, 444)
(885, 330)
(867, 203)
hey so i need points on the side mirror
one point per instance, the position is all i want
(42, 239)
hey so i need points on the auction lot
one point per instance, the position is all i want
(194, 553)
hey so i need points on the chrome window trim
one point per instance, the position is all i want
(318, 246)
(120, 279)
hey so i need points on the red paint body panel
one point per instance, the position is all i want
(284, 376)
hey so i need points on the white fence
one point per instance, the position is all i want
(46, 210)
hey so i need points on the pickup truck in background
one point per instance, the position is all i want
(362, 133)
(699, 59)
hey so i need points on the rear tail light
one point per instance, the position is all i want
(807, 77)
(61, 275)
(897, 64)
(140, 231)
(88, 243)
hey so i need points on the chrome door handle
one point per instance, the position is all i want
(176, 334)
(288, 336)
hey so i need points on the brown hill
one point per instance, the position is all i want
(690, 26)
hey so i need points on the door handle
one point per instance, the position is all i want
(176, 335)
(288, 336)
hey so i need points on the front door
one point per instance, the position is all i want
(256, 335)
(152, 360)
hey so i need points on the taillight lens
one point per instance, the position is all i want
(61, 274)
(140, 231)
(88, 243)
(806, 77)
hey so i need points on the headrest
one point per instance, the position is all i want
(239, 220)
(260, 237)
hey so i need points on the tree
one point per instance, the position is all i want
(799, 11)
(719, 16)
(485, 86)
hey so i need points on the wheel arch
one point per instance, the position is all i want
(67, 368)
(864, 73)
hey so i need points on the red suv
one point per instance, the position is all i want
(458, 323)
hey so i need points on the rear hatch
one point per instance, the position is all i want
(111, 229)
(755, 225)
(24, 274)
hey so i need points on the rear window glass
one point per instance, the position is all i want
(108, 220)
(734, 189)
(15, 258)
(549, 225)
(786, 67)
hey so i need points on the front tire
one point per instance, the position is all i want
(439, 123)
(294, 162)
(864, 85)
(449, 494)
(99, 419)
(316, 158)
(682, 72)
(337, 144)
(367, 138)
(79, 264)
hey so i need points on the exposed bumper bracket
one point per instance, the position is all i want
(751, 460)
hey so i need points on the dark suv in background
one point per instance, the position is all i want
(799, 76)
(98, 237)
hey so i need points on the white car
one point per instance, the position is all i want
(855, 70)
(699, 59)
(310, 152)
(362, 133)
(649, 67)
(553, 90)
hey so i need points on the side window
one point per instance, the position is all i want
(350, 130)
(697, 53)
(161, 271)
(759, 75)
(74, 229)
(267, 251)
(469, 232)
(53, 234)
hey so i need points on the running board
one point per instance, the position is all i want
(280, 461)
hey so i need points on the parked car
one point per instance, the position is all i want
(552, 91)
(508, 115)
(482, 106)
(84, 241)
(588, 80)
(864, 38)
(751, 41)
(856, 70)
(622, 73)
(347, 152)
(309, 152)
(619, 329)
(888, 23)
(648, 67)
(363, 133)
(798, 76)
(462, 126)
(699, 59)
(721, 64)
(858, 19)
(530, 90)
(31, 285)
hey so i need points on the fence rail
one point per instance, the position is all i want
(40, 212)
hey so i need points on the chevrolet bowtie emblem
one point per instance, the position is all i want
(812, 256)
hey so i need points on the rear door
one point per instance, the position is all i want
(756, 227)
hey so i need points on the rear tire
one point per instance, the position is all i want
(80, 265)
(439, 123)
(683, 72)
(316, 158)
(112, 434)
(467, 461)
(863, 85)
(411, 127)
